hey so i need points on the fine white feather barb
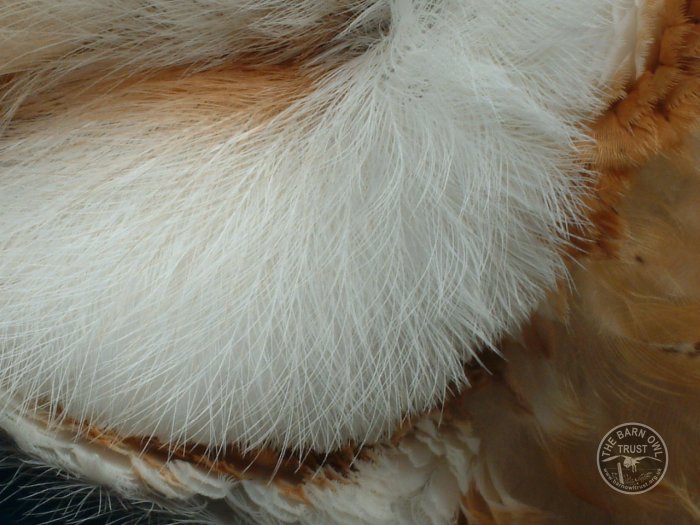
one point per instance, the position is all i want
(298, 254)
(295, 234)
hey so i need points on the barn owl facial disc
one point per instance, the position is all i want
(287, 225)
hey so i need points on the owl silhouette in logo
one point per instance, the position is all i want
(631, 462)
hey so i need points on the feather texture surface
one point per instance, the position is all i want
(240, 277)
(298, 251)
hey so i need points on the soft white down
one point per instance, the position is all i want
(171, 269)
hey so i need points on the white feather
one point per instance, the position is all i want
(171, 270)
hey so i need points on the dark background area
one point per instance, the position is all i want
(31, 494)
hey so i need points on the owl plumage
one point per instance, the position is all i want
(352, 262)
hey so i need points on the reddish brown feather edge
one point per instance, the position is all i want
(653, 116)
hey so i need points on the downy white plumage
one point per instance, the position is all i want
(188, 264)
(258, 228)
